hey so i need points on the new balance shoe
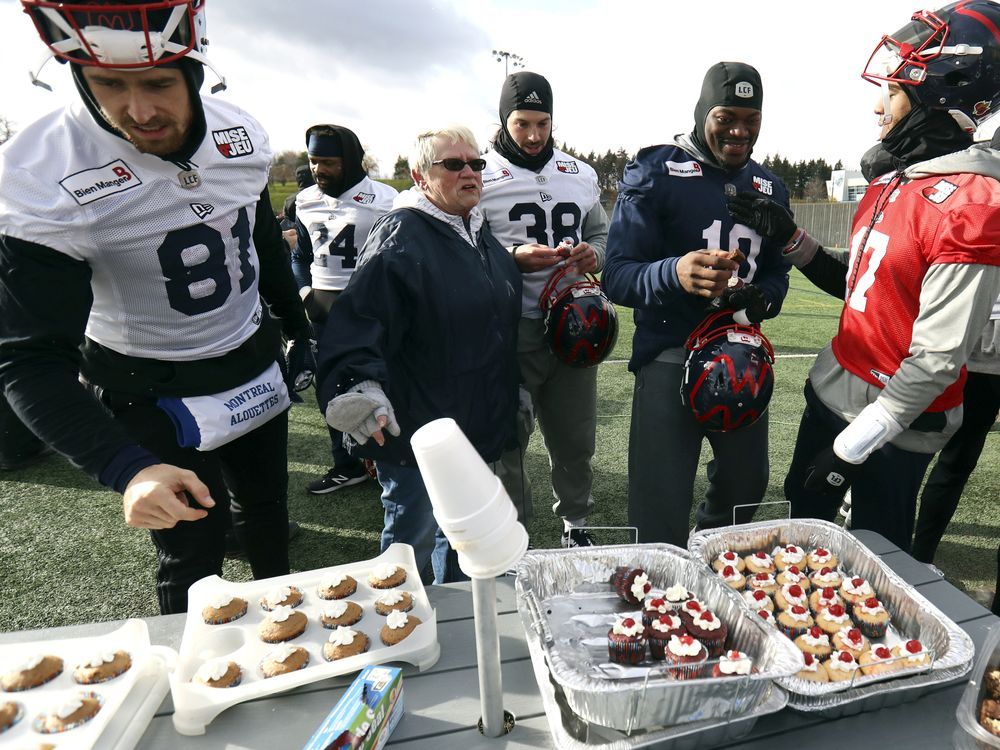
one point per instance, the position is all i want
(578, 537)
(336, 479)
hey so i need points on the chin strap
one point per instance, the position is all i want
(194, 55)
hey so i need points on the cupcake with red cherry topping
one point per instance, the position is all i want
(871, 617)
(766, 615)
(762, 582)
(711, 631)
(733, 578)
(631, 584)
(759, 562)
(793, 574)
(733, 664)
(822, 598)
(653, 607)
(758, 600)
(814, 670)
(854, 591)
(820, 558)
(676, 595)
(841, 666)
(659, 632)
(691, 609)
(815, 642)
(626, 642)
(788, 555)
(794, 621)
(686, 655)
(852, 640)
(826, 577)
(728, 558)
(878, 660)
(833, 618)
(790, 596)
(914, 653)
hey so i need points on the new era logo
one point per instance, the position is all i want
(532, 98)
(202, 210)
(233, 142)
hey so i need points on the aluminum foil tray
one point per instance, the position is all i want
(568, 606)
(570, 732)
(912, 616)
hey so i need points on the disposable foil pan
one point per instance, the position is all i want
(568, 605)
(912, 616)
(570, 732)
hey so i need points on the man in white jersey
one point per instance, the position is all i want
(332, 222)
(139, 259)
(536, 198)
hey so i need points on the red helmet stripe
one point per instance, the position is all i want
(981, 18)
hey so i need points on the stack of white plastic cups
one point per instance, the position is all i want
(470, 504)
(476, 514)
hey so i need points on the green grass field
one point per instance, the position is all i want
(67, 556)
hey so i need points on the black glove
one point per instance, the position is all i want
(748, 298)
(769, 219)
(830, 474)
(300, 364)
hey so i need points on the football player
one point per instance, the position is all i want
(673, 249)
(920, 282)
(536, 199)
(137, 254)
(332, 220)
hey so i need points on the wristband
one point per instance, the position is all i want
(797, 238)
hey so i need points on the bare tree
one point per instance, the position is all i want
(283, 166)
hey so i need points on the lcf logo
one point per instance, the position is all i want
(233, 142)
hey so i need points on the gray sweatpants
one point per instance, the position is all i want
(664, 447)
(565, 404)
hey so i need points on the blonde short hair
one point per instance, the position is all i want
(425, 149)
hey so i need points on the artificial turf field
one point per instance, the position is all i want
(66, 555)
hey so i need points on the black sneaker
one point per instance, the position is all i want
(336, 478)
(578, 537)
(235, 549)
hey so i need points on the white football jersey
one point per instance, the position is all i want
(546, 207)
(171, 251)
(338, 228)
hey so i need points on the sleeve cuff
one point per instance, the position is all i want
(128, 462)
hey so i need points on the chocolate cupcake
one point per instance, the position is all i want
(733, 664)
(691, 609)
(32, 672)
(871, 617)
(660, 630)
(631, 584)
(219, 674)
(653, 607)
(685, 656)
(711, 631)
(70, 714)
(102, 666)
(223, 608)
(626, 641)
(676, 595)
(283, 596)
(336, 586)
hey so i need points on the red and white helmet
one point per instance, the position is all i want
(121, 34)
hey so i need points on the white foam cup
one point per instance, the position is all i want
(458, 481)
(494, 512)
(495, 553)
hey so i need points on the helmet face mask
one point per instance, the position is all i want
(947, 60)
(728, 376)
(581, 324)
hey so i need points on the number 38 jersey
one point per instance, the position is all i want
(338, 227)
(546, 207)
(174, 270)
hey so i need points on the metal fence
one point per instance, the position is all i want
(829, 223)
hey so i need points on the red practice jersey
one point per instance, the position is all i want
(914, 224)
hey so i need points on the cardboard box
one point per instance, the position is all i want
(365, 716)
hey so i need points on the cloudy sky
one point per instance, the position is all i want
(624, 73)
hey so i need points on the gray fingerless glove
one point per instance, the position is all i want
(356, 412)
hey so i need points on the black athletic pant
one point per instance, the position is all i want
(17, 442)
(254, 468)
(884, 491)
(956, 462)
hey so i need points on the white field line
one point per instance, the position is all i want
(777, 356)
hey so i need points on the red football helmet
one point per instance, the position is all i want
(728, 379)
(121, 34)
(581, 325)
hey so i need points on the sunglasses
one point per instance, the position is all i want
(457, 165)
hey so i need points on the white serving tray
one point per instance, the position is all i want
(129, 701)
(196, 705)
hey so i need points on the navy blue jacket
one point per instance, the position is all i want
(434, 321)
(672, 201)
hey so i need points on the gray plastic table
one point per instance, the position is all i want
(442, 704)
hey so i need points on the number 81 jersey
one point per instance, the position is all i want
(174, 270)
